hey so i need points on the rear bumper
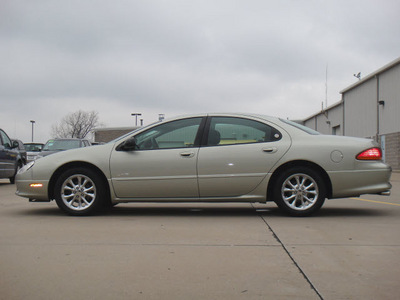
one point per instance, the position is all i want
(356, 183)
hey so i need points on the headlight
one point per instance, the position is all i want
(26, 167)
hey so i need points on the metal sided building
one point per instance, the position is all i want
(369, 108)
(104, 135)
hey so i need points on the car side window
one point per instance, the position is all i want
(5, 140)
(175, 134)
(231, 131)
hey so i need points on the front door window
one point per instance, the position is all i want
(177, 134)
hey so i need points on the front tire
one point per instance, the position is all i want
(300, 191)
(19, 166)
(80, 192)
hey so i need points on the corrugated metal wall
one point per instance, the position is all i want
(329, 121)
(389, 91)
(360, 110)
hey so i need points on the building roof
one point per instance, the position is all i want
(372, 75)
(323, 110)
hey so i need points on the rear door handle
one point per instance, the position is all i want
(270, 150)
(187, 154)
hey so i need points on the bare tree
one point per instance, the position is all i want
(76, 125)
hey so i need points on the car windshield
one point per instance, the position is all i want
(33, 147)
(301, 127)
(57, 145)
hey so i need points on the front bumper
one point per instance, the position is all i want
(35, 190)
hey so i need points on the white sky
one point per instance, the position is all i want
(188, 56)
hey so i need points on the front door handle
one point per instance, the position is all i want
(270, 150)
(187, 154)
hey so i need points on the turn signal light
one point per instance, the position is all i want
(36, 185)
(370, 154)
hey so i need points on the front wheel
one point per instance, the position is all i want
(300, 191)
(80, 192)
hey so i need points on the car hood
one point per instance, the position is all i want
(45, 153)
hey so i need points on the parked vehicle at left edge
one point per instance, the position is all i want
(32, 150)
(10, 158)
(57, 145)
(210, 158)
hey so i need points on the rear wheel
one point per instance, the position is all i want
(80, 192)
(300, 191)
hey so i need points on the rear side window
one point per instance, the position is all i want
(230, 131)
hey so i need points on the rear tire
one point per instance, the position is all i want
(80, 192)
(300, 191)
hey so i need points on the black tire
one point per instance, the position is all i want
(19, 166)
(80, 192)
(300, 191)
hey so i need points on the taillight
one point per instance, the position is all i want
(370, 154)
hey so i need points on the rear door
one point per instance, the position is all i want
(237, 155)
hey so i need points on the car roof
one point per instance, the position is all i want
(66, 139)
(224, 114)
(33, 144)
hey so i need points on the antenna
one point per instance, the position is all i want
(326, 86)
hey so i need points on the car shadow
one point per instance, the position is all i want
(48, 211)
(269, 211)
(177, 211)
(159, 211)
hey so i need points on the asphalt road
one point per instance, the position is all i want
(350, 250)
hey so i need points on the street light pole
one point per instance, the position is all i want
(33, 122)
(136, 115)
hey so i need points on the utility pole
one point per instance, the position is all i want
(136, 115)
(33, 122)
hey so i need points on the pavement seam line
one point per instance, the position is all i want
(291, 257)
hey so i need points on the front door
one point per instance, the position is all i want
(163, 165)
(8, 156)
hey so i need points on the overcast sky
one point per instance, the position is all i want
(175, 57)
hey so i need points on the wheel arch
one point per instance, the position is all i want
(75, 164)
(298, 163)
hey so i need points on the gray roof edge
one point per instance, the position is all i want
(372, 75)
(324, 110)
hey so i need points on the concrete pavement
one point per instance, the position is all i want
(350, 250)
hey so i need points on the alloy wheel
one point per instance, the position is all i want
(300, 192)
(78, 192)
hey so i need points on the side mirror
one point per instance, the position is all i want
(14, 145)
(128, 145)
